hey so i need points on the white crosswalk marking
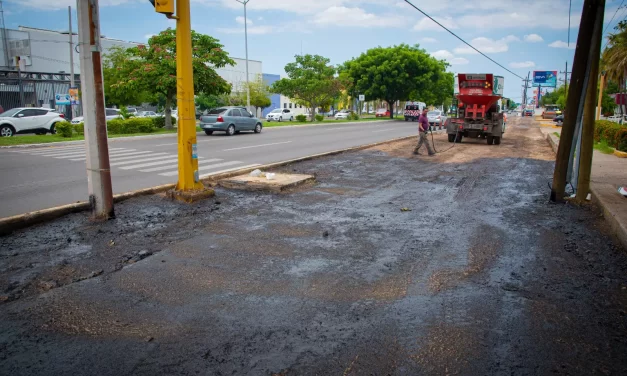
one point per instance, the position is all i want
(169, 167)
(229, 169)
(142, 160)
(154, 163)
(121, 157)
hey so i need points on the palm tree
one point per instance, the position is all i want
(614, 58)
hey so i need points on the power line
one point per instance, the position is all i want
(617, 9)
(456, 36)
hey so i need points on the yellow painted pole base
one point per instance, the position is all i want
(190, 197)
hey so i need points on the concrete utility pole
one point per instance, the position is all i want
(576, 95)
(246, 44)
(587, 134)
(566, 73)
(98, 171)
(72, 84)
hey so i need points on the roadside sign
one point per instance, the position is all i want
(362, 97)
(62, 99)
(545, 78)
(74, 96)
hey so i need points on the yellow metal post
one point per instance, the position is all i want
(187, 147)
(598, 114)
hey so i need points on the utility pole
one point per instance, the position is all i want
(5, 42)
(566, 73)
(246, 45)
(601, 88)
(576, 95)
(72, 85)
(98, 169)
(587, 134)
(524, 101)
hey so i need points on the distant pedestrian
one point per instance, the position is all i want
(423, 127)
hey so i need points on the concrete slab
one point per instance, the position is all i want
(280, 183)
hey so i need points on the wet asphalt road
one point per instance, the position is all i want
(481, 277)
(44, 177)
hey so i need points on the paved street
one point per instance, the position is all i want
(39, 178)
(480, 276)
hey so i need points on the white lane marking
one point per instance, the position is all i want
(229, 169)
(154, 163)
(123, 156)
(258, 146)
(73, 152)
(48, 150)
(142, 160)
(84, 152)
(174, 143)
(204, 168)
(169, 167)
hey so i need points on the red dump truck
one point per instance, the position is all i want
(478, 115)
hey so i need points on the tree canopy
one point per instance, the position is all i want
(399, 73)
(614, 57)
(311, 82)
(152, 68)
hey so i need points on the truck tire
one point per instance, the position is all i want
(490, 140)
(406, 118)
(458, 137)
(451, 137)
(497, 140)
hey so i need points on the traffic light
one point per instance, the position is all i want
(163, 6)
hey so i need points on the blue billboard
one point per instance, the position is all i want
(545, 78)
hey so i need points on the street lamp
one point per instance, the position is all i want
(246, 41)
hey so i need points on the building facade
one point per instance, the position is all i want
(275, 99)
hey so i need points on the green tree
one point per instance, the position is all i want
(209, 101)
(113, 69)
(152, 68)
(399, 73)
(614, 57)
(311, 82)
(259, 94)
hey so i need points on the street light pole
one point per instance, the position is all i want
(246, 45)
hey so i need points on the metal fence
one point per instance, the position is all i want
(29, 89)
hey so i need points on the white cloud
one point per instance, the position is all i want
(343, 16)
(442, 54)
(254, 30)
(63, 4)
(240, 20)
(533, 38)
(511, 38)
(260, 18)
(427, 24)
(485, 45)
(522, 64)
(459, 61)
(560, 44)
(427, 40)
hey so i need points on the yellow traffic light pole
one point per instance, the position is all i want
(187, 147)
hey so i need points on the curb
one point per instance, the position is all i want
(20, 221)
(609, 211)
(620, 154)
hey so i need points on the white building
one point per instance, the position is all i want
(296, 108)
(48, 52)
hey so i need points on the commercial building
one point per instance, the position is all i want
(45, 66)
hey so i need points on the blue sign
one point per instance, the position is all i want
(62, 99)
(545, 78)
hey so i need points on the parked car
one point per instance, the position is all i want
(230, 120)
(29, 120)
(132, 110)
(343, 114)
(559, 119)
(528, 112)
(110, 114)
(382, 112)
(435, 117)
(149, 114)
(551, 111)
(280, 115)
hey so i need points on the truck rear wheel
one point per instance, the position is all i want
(490, 140)
(458, 138)
(451, 138)
(497, 140)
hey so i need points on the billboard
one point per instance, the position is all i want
(545, 78)
(497, 87)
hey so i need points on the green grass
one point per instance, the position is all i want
(557, 134)
(48, 138)
(603, 147)
(326, 121)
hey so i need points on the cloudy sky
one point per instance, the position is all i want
(523, 36)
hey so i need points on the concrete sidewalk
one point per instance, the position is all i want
(608, 174)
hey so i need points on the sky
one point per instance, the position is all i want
(522, 36)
